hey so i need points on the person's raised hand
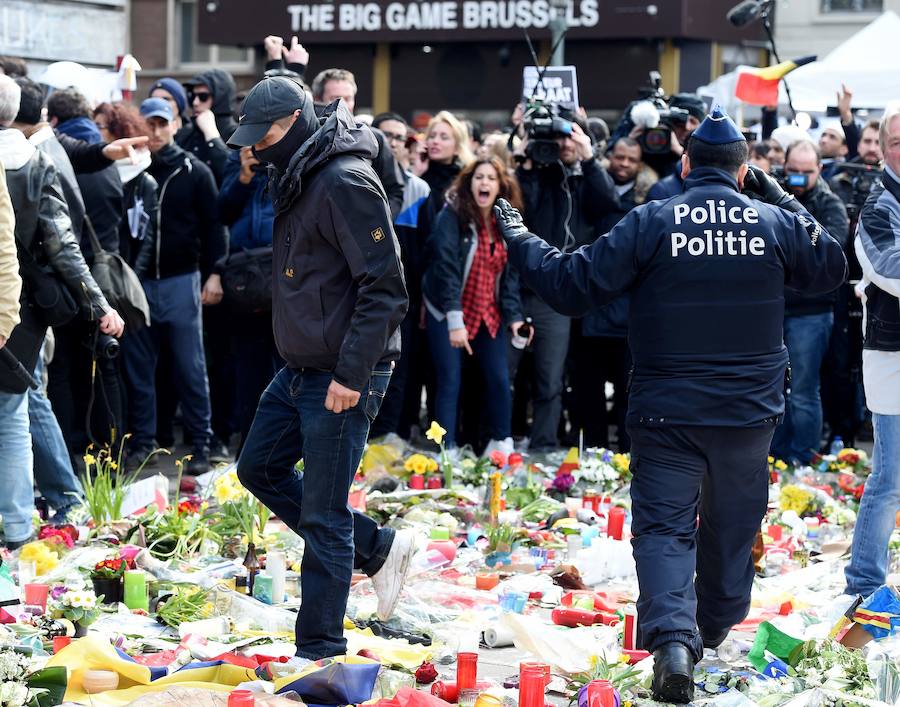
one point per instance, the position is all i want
(509, 220)
(844, 98)
(124, 147)
(585, 148)
(459, 339)
(111, 323)
(340, 398)
(248, 162)
(206, 122)
(273, 46)
(297, 53)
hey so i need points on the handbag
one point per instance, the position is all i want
(247, 280)
(119, 284)
(53, 303)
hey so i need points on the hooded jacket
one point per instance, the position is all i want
(338, 291)
(43, 227)
(245, 208)
(101, 191)
(190, 236)
(213, 153)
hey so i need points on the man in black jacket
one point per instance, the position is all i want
(564, 204)
(808, 319)
(337, 302)
(190, 240)
(210, 95)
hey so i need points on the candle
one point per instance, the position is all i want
(629, 637)
(615, 522)
(531, 688)
(276, 565)
(136, 590)
(466, 670)
(775, 532)
(36, 595)
(600, 693)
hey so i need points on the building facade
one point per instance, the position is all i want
(804, 27)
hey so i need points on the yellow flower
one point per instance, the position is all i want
(89, 459)
(432, 465)
(771, 459)
(436, 433)
(113, 465)
(621, 461)
(794, 498)
(780, 465)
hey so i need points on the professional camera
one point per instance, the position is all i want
(860, 178)
(102, 345)
(543, 125)
(656, 117)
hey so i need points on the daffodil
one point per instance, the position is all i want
(90, 460)
(436, 433)
(771, 459)
(780, 465)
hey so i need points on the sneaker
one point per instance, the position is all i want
(198, 464)
(218, 453)
(389, 579)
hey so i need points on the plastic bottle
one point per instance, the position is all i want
(837, 445)
(729, 651)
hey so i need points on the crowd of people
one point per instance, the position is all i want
(481, 353)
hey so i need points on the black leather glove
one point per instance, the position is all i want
(509, 220)
(759, 185)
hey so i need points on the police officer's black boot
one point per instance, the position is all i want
(713, 639)
(673, 673)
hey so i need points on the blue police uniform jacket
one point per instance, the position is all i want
(706, 270)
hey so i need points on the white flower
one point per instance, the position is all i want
(13, 694)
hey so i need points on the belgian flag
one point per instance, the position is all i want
(759, 87)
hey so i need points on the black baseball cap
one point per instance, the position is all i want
(272, 98)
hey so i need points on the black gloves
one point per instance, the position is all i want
(509, 220)
(759, 185)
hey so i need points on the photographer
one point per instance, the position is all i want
(565, 202)
(808, 319)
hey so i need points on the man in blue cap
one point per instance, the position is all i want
(706, 270)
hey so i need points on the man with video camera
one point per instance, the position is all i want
(567, 194)
(808, 318)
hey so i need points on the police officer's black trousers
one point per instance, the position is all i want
(720, 473)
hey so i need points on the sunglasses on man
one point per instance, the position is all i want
(201, 96)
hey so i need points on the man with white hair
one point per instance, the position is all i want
(878, 249)
(44, 237)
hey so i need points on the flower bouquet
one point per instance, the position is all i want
(77, 606)
(20, 687)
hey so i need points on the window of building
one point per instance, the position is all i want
(852, 5)
(190, 52)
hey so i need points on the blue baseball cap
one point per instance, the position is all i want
(157, 108)
(718, 129)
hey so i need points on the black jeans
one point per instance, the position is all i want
(599, 359)
(256, 362)
(292, 423)
(722, 473)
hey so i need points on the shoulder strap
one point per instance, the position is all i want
(95, 242)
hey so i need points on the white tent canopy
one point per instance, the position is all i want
(868, 63)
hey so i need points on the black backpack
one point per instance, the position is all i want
(247, 280)
(119, 284)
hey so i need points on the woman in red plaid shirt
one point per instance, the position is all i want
(472, 297)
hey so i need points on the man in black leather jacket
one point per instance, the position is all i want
(43, 234)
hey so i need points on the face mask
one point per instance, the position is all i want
(281, 152)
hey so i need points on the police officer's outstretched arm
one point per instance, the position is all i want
(814, 261)
(572, 283)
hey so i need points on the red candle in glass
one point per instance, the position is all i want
(531, 687)
(543, 668)
(417, 482)
(615, 522)
(466, 670)
(600, 693)
(774, 532)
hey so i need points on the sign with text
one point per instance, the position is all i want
(558, 85)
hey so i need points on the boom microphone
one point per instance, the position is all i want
(746, 12)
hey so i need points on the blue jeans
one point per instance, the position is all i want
(490, 354)
(292, 423)
(800, 433)
(52, 465)
(17, 499)
(868, 566)
(175, 314)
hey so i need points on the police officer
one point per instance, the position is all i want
(706, 270)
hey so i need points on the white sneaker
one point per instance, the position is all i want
(504, 446)
(389, 579)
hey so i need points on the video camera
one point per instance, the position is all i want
(861, 177)
(656, 117)
(543, 125)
